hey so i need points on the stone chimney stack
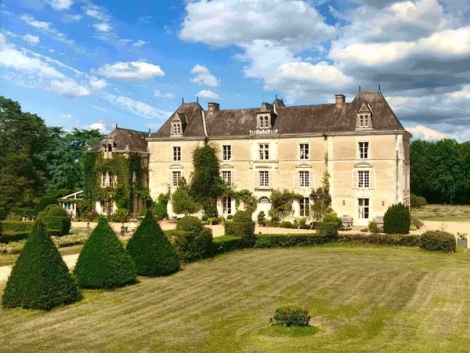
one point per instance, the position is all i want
(213, 107)
(340, 100)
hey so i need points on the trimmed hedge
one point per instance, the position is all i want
(381, 239)
(151, 250)
(225, 244)
(436, 240)
(14, 230)
(291, 240)
(327, 228)
(40, 278)
(56, 219)
(292, 315)
(193, 246)
(103, 261)
(23, 212)
(397, 219)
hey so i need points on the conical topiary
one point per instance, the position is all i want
(40, 278)
(103, 261)
(152, 252)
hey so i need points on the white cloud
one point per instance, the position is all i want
(205, 93)
(35, 23)
(425, 133)
(105, 126)
(102, 27)
(138, 108)
(60, 4)
(131, 71)
(96, 12)
(71, 18)
(321, 72)
(139, 43)
(68, 88)
(159, 94)
(66, 117)
(97, 85)
(31, 39)
(203, 76)
(46, 27)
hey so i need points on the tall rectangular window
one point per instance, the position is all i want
(264, 151)
(107, 179)
(264, 178)
(363, 150)
(226, 152)
(304, 151)
(304, 179)
(176, 128)
(363, 208)
(304, 207)
(176, 153)
(227, 176)
(363, 179)
(227, 205)
(175, 177)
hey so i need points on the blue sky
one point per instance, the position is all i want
(94, 64)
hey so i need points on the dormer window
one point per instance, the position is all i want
(264, 122)
(176, 128)
(364, 117)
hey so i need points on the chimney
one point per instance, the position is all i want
(340, 100)
(213, 107)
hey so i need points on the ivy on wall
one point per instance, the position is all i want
(125, 186)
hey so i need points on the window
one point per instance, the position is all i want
(363, 179)
(106, 207)
(107, 179)
(304, 207)
(363, 150)
(264, 178)
(176, 153)
(363, 208)
(304, 151)
(176, 128)
(227, 176)
(175, 179)
(304, 179)
(226, 152)
(227, 205)
(363, 120)
(264, 122)
(264, 151)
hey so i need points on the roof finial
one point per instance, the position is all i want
(182, 100)
(276, 96)
(197, 99)
(379, 87)
(116, 125)
(359, 88)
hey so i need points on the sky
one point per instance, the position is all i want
(94, 64)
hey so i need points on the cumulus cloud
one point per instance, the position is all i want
(137, 107)
(205, 93)
(203, 76)
(60, 4)
(97, 84)
(159, 94)
(48, 29)
(139, 43)
(102, 26)
(130, 71)
(68, 88)
(66, 117)
(31, 39)
(425, 133)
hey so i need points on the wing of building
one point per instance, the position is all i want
(361, 144)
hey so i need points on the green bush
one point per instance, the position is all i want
(332, 217)
(262, 243)
(70, 240)
(243, 225)
(224, 244)
(40, 279)
(417, 201)
(190, 224)
(261, 217)
(44, 202)
(23, 212)
(12, 248)
(292, 315)
(415, 221)
(56, 219)
(397, 219)
(286, 224)
(17, 226)
(213, 221)
(373, 227)
(120, 216)
(151, 251)
(381, 239)
(103, 261)
(3, 213)
(327, 228)
(194, 245)
(6, 238)
(436, 240)
(291, 240)
(159, 211)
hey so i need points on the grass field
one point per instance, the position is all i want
(361, 299)
(444, 213)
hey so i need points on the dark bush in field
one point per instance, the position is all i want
(436, 240)
(397, 219)
(292, 315)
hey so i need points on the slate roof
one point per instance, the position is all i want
(124, 140)
(323, 118)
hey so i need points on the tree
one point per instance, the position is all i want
(103, 261)
(397, 219)
(151, 251)
(281, 203)
(183, 201)
(40, 279)
(206, 183)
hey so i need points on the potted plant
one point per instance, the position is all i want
(462, 239)
(262, 219)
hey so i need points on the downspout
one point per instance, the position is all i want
(204, 123)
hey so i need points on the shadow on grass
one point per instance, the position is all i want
(290, 331)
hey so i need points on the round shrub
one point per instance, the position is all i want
(151, 251)
(193, 246)
(286, 224)
(327, 228)
(159, 211)
(56, 220)
(397, 219)
(121, 215)
(190, 224)
(436, 240)
(40, 278)
(292, 315)
(242, 216)
(103, 261)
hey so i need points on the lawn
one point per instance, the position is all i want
(444, 213)
(361, 299)
(10, 259)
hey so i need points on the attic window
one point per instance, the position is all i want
(263, 122)
(363, 120)
(176, 128)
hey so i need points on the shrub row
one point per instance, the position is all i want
(291, 240)
(381, 239)
(57, 225)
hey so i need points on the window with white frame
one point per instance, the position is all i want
(264, 151)
(227, 176)
(176, 128)
(304, 210)
(363, 180)
(304, 151)
(176, 153)
(363, 120)
(264, 178)
(107, 180)
(263, 122)
(175, 177)
(304, 179)
(107, 207)
(227, 205)
(363, 208)
(363, 150)
(226, 152)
